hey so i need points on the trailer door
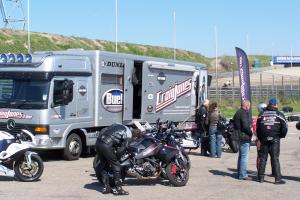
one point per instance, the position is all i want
(202, 87)
(128, 91)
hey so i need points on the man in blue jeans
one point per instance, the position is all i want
(242, 124)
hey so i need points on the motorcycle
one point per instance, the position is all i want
(190, 141)
(228, 133)
(16, 159)
(149, 158)
(172, 136)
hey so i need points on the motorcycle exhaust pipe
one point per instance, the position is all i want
(131, 172)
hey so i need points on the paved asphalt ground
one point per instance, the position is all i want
(209, 179)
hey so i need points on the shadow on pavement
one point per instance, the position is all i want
(6, 178)
(56, 155)
(223, 173)
(291, 178)
(139, 182)
(128, 182)
(233, 173)
(94, 186)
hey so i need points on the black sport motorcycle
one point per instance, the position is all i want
(230, 136)
(150, 158)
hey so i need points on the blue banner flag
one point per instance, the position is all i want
(243, 65)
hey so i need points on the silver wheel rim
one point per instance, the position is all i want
(74, 147)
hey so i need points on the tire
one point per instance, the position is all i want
(73, 147)
(33, 173)
(96, 161)
(177, 175)
(186, 156)
(234, 145)
(298, 125)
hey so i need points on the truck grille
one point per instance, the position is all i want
(16, 130)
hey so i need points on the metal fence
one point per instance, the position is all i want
(263, 86)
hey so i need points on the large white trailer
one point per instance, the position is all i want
(66, 97)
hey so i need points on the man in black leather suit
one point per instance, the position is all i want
(271, 127)
(110, 145)
(202, 126)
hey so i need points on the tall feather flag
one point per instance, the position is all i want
(243, 65)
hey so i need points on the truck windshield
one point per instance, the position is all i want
(24, 93)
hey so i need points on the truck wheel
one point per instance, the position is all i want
(73, 147)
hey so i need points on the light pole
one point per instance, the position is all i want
(28, 27)
(232, 67)
(116, 9)
(216, 43)
(174, 36)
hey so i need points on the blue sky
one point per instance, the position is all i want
(270, 26)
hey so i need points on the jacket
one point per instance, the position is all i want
(242, 124)
(113, 136)
(271, 123)
(213, 118)
(202, 119)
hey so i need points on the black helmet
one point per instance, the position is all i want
(123, 131)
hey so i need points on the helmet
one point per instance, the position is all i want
(125, 132)
(261, 107)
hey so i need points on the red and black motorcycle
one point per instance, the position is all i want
(150, 158)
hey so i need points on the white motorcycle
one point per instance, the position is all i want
(16, 159)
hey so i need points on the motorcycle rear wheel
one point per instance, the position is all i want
(234, 145)
(26, 173)
(177, 175)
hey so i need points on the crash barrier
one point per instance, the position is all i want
(277, 83)
(257, 92)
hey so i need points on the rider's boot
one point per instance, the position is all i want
(106, 187)
(118, 190)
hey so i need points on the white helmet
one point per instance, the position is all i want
(261, 107)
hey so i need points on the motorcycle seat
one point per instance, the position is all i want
(138, 146)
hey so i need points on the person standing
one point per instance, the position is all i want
(215, 137)
(271, 127)
(242, 124)
(202, 126)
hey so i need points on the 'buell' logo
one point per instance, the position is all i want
(164, 99)
(112, 100)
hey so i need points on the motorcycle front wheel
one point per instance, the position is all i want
(29, 172)
(178, 175)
